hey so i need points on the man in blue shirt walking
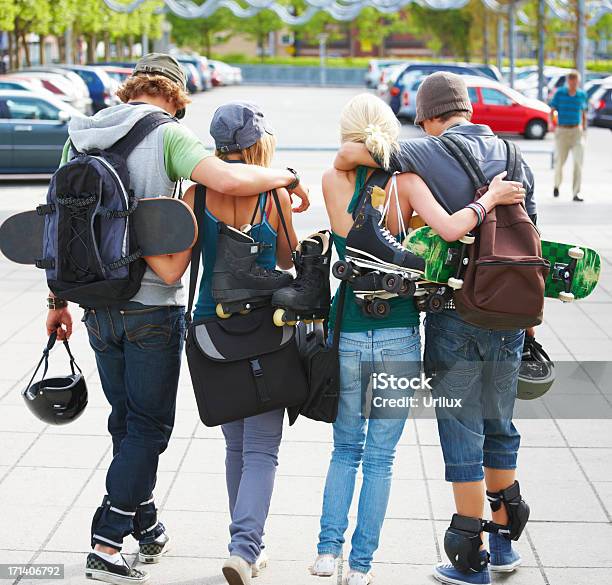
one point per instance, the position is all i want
(569, 106)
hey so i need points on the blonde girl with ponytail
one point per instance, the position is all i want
(393, 341)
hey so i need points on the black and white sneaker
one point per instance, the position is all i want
(371, 245)
(153, 551)
(100, 569)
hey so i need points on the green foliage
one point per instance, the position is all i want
(201, 33)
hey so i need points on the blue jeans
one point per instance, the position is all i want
(250, 467)
(138, 352)
(370, 443)
(480, 368)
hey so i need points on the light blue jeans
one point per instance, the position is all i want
(370, 443)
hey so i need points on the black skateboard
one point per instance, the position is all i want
(163, 226)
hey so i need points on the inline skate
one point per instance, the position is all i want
(239, 284)
(308, 297)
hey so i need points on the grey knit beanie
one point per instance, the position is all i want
(441, 92)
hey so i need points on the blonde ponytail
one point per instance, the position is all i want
(369, 120)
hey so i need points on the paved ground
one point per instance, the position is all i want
(52, 478)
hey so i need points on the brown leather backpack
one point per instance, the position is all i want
(503, 283)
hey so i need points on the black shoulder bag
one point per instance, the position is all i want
(244, 365)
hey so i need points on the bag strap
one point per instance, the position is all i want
(281, 217)
(125, 145)
(199, 210)
(462, 154)
(514, 161)
(45, 358)
(339, 315)
(379, 178)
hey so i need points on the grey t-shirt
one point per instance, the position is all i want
(451, 186)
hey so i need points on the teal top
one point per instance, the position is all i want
(403, 312)
(262, 232)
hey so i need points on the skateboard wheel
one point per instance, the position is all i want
(279, 317)
(577, 253)
(467, 239)
(341, 269)
(221, 313)
(566, 297)
(391, 283)
(455, 283)
(380, 309)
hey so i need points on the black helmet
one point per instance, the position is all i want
(537, 371)
(59, 400)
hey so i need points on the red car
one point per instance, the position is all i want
(506, 110)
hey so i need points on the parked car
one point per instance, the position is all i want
(59, 86)
(100, 85)
(119, 74)
(201, 65)
(388, 77)
(82, 100)
(408, 99)
(33, 131)
(224, 74)
(23, 84)
(421, 69)
(560, 80)
(600, 106)
(375, 69)
(194, 81)
(526, 81)
(506, 110)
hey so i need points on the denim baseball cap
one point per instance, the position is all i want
(238, 125)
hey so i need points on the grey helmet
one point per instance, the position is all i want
(536, 373)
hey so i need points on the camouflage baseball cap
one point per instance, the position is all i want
(161, 64)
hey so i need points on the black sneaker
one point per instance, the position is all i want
(153, 551)
(555, 192)
(100, 569)
(578, 198)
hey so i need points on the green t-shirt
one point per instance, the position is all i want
(183, 150)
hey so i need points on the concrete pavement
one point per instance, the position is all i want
(51, 479)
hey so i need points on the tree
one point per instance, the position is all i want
(202, 33)
(373, 27)
(258, 28)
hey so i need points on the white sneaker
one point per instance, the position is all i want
(357, 578)
(324, 566)
(237, 571)
(260, 564)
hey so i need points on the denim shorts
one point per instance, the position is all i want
(477, 368)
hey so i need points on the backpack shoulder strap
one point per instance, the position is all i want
(124, 146)
(379, 178)
(513, 162)
(465, 158)
(196, 252)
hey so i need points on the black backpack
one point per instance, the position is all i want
(90, 252)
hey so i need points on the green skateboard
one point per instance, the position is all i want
(443, 260)
(573, 275)
(574, 271)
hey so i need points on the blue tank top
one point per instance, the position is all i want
(262, 232)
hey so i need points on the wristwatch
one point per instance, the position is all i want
(296, 181)
(53, 303)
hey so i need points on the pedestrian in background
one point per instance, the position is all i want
(569, 107)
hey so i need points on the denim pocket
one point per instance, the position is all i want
(93, 330)
(350, 367)
(148, 328)
(505, 372)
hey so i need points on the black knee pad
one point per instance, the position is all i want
(516, 507)
(462, 544)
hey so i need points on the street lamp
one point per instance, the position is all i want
(322, 54)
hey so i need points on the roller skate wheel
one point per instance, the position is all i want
(455, 283)
(566, 297)
(467, 239)
(407, 289)
(391, 283)
(435, 303)
(380, 309)
(221, 313)
(279, 317)
(341, 270)
(577, 253)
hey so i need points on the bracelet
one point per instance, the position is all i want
(479, 210)
(296, 180)
(53, 303)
